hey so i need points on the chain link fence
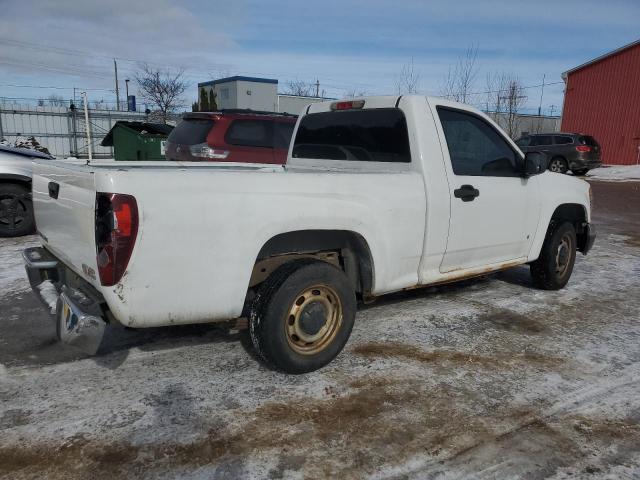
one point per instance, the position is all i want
(61, 129)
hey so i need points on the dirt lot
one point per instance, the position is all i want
(487, 379)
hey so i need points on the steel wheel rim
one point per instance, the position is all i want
(13, 212)
(302, 340)
(563, 255)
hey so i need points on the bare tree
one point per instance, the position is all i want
(458, 85)
(409, 80)
(300, 88)
(353, 93)
(56, 100)
(505, 99)
(161, 88)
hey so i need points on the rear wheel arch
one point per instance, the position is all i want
(353, 254)
(15, 179)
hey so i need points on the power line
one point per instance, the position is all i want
(54, 87)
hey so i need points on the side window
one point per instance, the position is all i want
(475, 147)
(249, 133)
(282, 133)
(540, 140)
(563, 140)
(523, 142)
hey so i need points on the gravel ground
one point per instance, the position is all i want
(485, 379)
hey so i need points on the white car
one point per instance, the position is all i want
(379, 194)
(16, 211)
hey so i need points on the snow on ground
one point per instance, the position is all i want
(615, 173)
(486, 379)
(12, 273)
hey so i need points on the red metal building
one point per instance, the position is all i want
(602, 99)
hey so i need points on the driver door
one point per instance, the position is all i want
(494, 211)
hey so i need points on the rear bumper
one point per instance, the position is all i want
(75, 305)
(584, 163)
(590, 237)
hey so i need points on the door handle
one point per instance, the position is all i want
(54, 189)
(466, 193)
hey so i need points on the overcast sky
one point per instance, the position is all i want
(346, 45)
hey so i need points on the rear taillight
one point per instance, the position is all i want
(116, 231)
(583, 148)
(202, 150)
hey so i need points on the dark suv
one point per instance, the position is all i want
(231, 136)
(566, 151)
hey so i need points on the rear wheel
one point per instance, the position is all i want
(552, 270)
(581, 172)
(558, 165)
(302, 316)
(16, 211)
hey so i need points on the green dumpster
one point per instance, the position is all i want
(137, 140)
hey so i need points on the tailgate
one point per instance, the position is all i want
(64, 200)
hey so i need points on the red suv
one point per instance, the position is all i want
(231, 136)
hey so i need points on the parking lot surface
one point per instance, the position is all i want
(489, 378)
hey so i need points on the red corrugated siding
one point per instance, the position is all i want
(603, 100)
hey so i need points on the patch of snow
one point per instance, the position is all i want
(49, 294)
(29, 143)
(617, 173)
(13, 277)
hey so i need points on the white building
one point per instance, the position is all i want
(251, 93)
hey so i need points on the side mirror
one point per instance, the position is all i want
(534, 163)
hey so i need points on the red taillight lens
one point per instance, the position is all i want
(116, 231)
(583, 148)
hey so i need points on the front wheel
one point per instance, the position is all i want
(558, 165)
(552, 270)
(302, 316)
(16, 211)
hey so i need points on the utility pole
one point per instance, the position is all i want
(552, 108)
(541, 95)
(317, 87)
(115, 67)
(87, 126)
(126, 86)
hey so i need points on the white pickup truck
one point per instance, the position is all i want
(379, 194)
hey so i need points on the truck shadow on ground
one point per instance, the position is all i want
(30, 336)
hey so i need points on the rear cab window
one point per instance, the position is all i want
(372, 135)
(191, 131)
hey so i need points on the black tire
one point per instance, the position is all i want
(582, 172)
(558, 165)
(287, 302)
(16, 211)
(552, 270)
